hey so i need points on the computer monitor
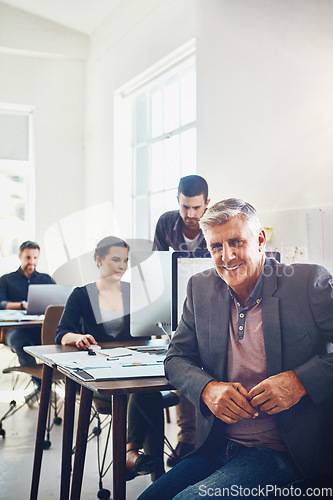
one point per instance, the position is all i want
(185, 265)
(150, 297)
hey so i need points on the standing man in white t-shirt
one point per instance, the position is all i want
(179, 230)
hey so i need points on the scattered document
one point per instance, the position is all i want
(108, 364)
(17, 315)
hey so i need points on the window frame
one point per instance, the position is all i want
(125, 149)
(22, 168)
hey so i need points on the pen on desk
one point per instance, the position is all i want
(115, 358)
(119, 356)
(109, 357)
(143, 364)
(95, 349)
(103, 354)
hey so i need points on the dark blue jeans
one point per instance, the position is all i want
(231, 472)
(17, 338)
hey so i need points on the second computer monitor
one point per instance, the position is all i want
(185, 265)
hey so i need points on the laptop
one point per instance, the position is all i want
(42, 296)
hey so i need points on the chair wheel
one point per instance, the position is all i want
(46, 444)
(57, 420)
(104, 494)
(3, 433)
(12, 404)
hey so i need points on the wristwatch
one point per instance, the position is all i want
(22, 304)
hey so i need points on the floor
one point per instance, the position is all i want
(17, 448)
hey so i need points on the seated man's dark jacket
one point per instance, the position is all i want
(82, 315)
(169, 233)
(14, 286)
(297, 320)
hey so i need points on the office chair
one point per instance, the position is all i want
(2, 335)
(103, 407)
(52, 317)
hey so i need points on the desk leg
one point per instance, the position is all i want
(41, 426)
(119, 409)
(81, 441)
(67, 438)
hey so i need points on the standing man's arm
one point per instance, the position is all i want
(160, 242)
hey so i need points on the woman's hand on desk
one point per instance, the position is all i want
(85, 341)
(79, 340)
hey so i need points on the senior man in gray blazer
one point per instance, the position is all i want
(251, 354)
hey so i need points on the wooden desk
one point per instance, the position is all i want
(117, 389)
(19, 324)
(7, 325)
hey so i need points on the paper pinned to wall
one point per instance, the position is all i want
(302, 235)
(319, 226)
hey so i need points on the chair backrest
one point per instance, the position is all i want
(51, 321)
(2, 335)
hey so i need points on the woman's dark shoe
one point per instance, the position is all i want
(144, 464)
(181, 450)
(158, 472)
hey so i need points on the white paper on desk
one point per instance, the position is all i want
(112, 366)
(81, 359)
(33, 317)
(15, 315)
(128, 367)
(122, 363)
(121, 372)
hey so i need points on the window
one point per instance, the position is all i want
(16, 183)
(162, 107)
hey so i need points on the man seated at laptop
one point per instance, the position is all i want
(13, 295)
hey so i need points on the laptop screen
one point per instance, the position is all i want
(42, 296)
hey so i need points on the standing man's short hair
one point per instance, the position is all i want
(29, 244)
(193, 185)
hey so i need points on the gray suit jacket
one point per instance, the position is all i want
(297, 317)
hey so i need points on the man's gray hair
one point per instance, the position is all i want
(222, 211)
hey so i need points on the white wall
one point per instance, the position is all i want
(265, 115)
(43, 65)
(265, 102)
(138, 35)
(265, 79)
